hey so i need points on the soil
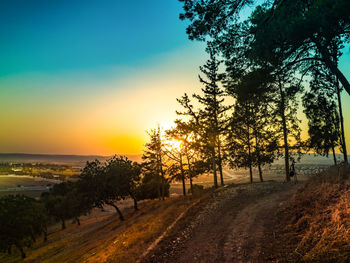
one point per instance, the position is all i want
(236, 224)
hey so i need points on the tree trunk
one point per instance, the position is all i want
(220, 163)
(285, 133)
(183, 186)
(214, 169)
(332, 66)
(163, 188)
(182, 176)
(335, 70)
(63, 224)
(258, 156)
(250, 161)
(190, 173)
(249, 152)
(9, 250)
(334, 157)
(23, 255)
(135, 200)
(159, 188)
(342, 124)
(77, 220)
(250, 173)
(162, 176)
(191, 185)
(121, 217)
(45, 235)
(33, 237)
(260, 173)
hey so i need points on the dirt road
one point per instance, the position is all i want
(235, 225)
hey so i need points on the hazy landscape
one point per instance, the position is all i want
(175, 131)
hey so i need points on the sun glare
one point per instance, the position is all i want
(174, 145)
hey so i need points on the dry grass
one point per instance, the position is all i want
(315, 224)
(103, 238)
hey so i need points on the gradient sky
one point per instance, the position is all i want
(90, 77)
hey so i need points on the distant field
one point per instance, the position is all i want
(19, 185)
(230, 176)
(14, 181)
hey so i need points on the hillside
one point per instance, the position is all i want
(272, 221)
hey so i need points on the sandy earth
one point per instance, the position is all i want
(235, 225)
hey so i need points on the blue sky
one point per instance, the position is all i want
(90, 77)
(75, 35)
(82, 77)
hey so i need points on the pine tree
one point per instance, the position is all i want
(154, 161)
(212, 115)
(323, 109)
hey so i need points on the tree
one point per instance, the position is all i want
(21, 220)
(64, 201)
(127, 175)
(175, 150)
(192, 163)
(213, 115)
(323, 113)
(241, 137)
(101, 186)
(287, 35)
(253, 140)
(306, 27)
(323, 123)
(210, 120)
(154, 161)
(150, 186)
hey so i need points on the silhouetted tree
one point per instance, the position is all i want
(185, 132)
(101, 186)
(154, 161)
(305, 27)
(210, 120)
(324, 112)
(126, 174)
(22, 219)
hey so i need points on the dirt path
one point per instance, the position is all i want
(233, 226)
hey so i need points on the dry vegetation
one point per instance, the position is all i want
(315, 224)
(103, 238)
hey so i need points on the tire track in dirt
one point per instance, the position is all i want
(230, 227)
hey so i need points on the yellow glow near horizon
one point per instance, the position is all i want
(72, 114)
(174, 145)
(75, 115)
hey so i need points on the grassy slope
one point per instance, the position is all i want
(103, 238)
(315, 224)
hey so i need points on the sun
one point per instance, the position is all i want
(174, 145)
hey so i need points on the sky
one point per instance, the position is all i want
(92, 76)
